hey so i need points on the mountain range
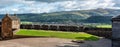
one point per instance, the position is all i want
(81, 16)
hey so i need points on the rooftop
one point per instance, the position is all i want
(14, 17)
(116, 18)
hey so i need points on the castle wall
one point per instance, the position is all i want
(116, 33)
(6, 28)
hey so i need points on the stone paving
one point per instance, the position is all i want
(52, 42)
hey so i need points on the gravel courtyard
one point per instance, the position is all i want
(52, 42)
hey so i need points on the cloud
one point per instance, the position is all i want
(49, 1)
(47, 6)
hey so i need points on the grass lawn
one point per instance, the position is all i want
(57, 34)
(104, 26)
(26, 22)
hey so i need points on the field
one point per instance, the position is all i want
(57, 34)
(104, 26)
(25, 22)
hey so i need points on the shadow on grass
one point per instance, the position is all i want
(91, 38)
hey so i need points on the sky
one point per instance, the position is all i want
(48, 6)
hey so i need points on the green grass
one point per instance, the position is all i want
(104, 26)
(57, 34)
(25, 22)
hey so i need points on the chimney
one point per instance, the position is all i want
(7, 14)
(15, 14)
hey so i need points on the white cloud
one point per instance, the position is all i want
(23, 6)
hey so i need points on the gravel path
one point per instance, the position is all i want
(52, 42)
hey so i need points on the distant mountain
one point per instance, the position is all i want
(84, 16)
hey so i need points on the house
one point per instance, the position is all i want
(116, 31)
(10, 24)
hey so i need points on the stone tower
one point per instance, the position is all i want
(10, 24)
(116, 31)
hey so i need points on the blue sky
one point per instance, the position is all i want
(47, 6)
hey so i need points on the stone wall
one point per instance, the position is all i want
(103, 32)
(53, 27)
(0, 32)
(116, 33)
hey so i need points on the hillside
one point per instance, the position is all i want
(84, 16)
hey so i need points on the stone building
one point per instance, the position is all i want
(10, 24)
(116, 31)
